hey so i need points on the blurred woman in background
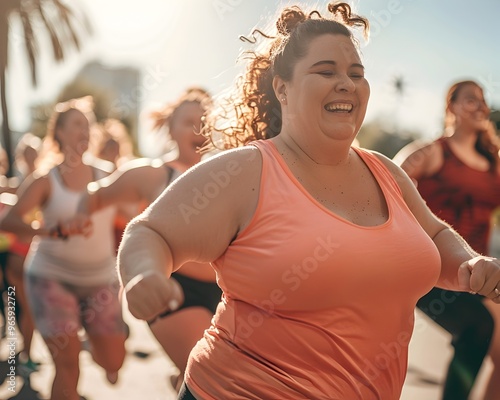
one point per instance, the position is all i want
(71, 282)
(195, 294)
(459, 177)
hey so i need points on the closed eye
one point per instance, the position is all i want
(325, 73)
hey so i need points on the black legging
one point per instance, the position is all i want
(185, 394)
(4, 285)
(471, 326)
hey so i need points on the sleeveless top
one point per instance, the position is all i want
(464, 197)
(314, 306)
(172, 175)
(78, 260)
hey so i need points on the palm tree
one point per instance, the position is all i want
(399, 85)
(51, 16)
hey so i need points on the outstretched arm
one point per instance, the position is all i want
(137, 181)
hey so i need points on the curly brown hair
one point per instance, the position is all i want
(253, 111)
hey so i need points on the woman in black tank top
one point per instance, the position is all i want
(194, 295)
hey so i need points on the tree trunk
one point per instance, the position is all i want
(6, 134)
(4, 51)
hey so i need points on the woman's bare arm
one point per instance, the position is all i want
(32, 193)
(195, 219)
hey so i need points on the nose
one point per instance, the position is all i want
(345, 84)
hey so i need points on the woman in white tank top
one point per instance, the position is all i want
(71, 281)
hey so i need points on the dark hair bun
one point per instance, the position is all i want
(289, 19)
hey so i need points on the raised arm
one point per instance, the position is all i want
(462, 269)
(195, 219)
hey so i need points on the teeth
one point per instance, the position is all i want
(339, 107)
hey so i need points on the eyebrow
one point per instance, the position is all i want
(331, 62)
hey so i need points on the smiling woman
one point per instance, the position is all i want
(459, 177)
(333, 95)
(308, 237)
(249, 99)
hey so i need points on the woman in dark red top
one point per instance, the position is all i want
(459, 177)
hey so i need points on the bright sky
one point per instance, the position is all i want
(178, 43)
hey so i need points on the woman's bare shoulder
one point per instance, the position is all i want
(242, 162)
(418, 148)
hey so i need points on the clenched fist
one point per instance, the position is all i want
(152, 293)
(481, 275)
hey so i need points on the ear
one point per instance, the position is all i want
(279, 86)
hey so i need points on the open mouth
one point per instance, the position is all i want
(339, 107)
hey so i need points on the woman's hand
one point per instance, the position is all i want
(481, 275)
(80, 224)
(152, 293)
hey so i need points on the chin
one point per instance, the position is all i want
(479, 126)
(342, 134)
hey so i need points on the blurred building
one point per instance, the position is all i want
(122, 88)
(116, 93)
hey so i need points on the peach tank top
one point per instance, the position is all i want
(314, 306)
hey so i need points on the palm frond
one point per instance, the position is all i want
(59, 22)
(67, 15)
(30, 43)
(57, 46)
(6, 8)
